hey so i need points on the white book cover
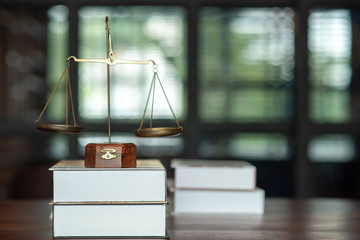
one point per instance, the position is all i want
(109, 220)
(210, 201)
(214, 174)
(75, 183)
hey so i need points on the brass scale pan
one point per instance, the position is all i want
(60, 128)
(158, 132)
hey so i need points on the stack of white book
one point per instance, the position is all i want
(208, 186)
(109, 202)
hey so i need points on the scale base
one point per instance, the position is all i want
(110, 155)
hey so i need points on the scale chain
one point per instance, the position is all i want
(53, 92)
(172, 111)
(152, 90)
(147, 101)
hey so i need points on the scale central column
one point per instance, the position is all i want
(108, 74)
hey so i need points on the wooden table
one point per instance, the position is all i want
(283, 219)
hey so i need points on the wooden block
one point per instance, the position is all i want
(113, 155)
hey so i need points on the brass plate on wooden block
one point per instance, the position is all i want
(110, 155)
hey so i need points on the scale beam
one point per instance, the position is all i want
(111, 61)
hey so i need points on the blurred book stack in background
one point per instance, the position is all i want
(209, 186)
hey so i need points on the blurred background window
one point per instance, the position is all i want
(138, 33)
(247, 146)
(273, 83)
(57, 53)
(330, 51)
(164, 147)
(332, 148)
(246, 64)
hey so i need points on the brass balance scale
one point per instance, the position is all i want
(109, 154)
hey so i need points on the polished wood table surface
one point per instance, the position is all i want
(316, 219)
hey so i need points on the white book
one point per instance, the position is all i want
(212, 201)
(211, 174)
(109, 220)
(75, 183)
